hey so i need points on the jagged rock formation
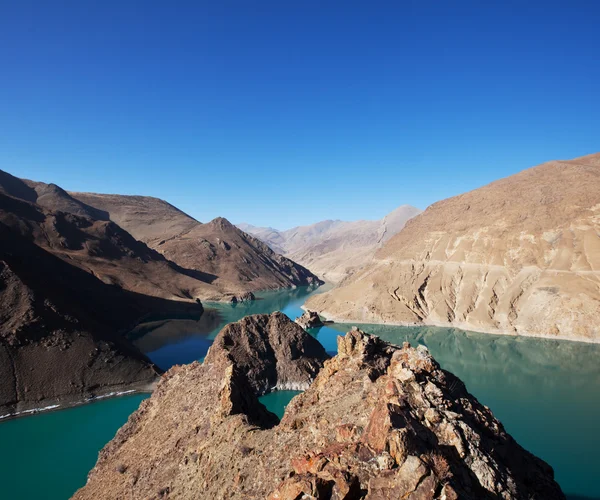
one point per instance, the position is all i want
(232, 261)
(271, 350)
(378, 422)
(521, 255)
(309, 319)
(334, 249)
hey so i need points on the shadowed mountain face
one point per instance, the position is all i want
(236, 262)
(68, 285)
(147, 245)
(59, 325)
(334, 249)
(101, 248)
(71, 280)
(520, 255)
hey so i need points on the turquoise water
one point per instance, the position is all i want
(278, 400)
(546, 393)
(49, 455)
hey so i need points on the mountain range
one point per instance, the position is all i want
(77, 270)
(334, 249)
(520, 255)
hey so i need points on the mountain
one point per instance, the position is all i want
(520, 255)
(148, 219)
(99, 247)
(334, 249)
(60, 330)
(233, 262)
(378, 422)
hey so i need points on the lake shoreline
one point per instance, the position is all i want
(466, 327)
(67, 402)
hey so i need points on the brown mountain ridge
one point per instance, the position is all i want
(520, 255)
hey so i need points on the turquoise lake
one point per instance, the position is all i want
(546, 393)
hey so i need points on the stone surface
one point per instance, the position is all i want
(520, 255)
(309, 319)
(378, 422)
(271, 350)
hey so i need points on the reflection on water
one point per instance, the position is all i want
(178, 341)
(545, 392)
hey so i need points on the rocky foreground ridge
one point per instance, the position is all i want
(520, 255)
(378, 422)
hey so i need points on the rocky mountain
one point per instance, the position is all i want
(520, 255)
(60, 329)
(273, 352)
(334, 249)
(162, 251)
(378, 422)
(233, 262)
(72, 281)
(99, 247)
(148, 219)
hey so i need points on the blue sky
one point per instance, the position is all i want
(284, 113)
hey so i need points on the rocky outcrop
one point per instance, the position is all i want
(272, 351)
(378, 422)
(309, 319)
(236, 299)
(520, 256)
(334, 249)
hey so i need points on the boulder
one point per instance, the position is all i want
(272, 351)
(309, 319)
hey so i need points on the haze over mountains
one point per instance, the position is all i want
(334, 249)
(520, 255)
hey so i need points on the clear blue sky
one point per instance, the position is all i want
(288, 112)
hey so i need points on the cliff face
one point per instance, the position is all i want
(378, 422)
(521, 255)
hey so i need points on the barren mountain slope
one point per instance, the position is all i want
(59, 330)
(148, 219)
(232, 261)
(103, 249)
(520, 255)
(335, 249)
(378, 422)
(236, 260)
